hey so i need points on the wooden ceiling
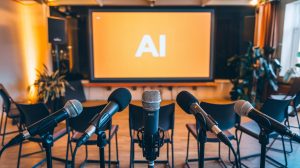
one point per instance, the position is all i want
(146, 2)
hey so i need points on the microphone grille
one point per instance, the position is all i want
(121, 96)
(151, 100)
(73, 107)
(242, 107)
(185, 99)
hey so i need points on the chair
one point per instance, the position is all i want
(294, 92)
(80, 123)
(277, 110)
(31, 113)
(75, 91)
(166, 123)
(11, 111)
(225, 117)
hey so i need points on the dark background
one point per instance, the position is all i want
(234, 27)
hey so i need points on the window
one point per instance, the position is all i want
(298, 54)
(290, 53)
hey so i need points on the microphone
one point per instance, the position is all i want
(244, 108)
(191, 106)
(117, 101)
(151, 105)
(71, 109)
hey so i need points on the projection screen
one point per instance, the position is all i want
(151, 45)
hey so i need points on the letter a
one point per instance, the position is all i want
(146, 45)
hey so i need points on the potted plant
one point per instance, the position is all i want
(51, 87)
(256, 71)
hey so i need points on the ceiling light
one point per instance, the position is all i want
(151, 2)
(253, 2)
(100, 2)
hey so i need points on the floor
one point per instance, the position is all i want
(248, 146)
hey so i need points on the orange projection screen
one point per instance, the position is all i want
(151, 46)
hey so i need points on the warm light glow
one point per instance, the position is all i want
(34, 43)
(253, 2)
(52, 3)
(29, 44)
(26, 2)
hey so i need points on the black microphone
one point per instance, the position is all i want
(151, 105)
(71, 109)
(191, 106)
(244, 108)
(117, 101)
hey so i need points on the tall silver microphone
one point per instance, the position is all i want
(151, 140)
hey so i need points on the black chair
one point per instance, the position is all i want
(166, 123)
(277, 109)
(31, 113)
(10, 110)
(225, 117)
(294, 92)
(76, 91)
(293, 111)
(80, 123)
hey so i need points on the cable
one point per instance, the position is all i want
(74, 156)
(235, 157)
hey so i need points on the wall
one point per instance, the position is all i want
(219, 89)
(23, 45)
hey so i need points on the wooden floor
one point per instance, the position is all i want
(249, 146)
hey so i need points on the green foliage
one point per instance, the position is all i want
(254, 70)
(50, 85)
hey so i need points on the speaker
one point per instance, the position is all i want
(57, 30)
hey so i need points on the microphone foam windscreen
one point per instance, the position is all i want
(184, 99)
(242, 107)
(121, 96)
(73, 107)
(151, 100)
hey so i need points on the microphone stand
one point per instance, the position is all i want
(264, 141)
(47, 143)
(101, 142)
(201, 139)
(157, 141)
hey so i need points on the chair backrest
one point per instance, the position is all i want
(297, 99)
(81, 122)
(166, 117)
(223, 114)
(6, 98)
(276, 108)
(295, 87)
(76, 93)
(31, 113)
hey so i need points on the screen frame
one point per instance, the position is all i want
(157, 79)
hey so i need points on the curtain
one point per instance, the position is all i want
(291, 36)
(266, 26)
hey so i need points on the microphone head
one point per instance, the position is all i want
(185, 99)
(121, 96)
(73, 107)
(151, 100)
(242, 107)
